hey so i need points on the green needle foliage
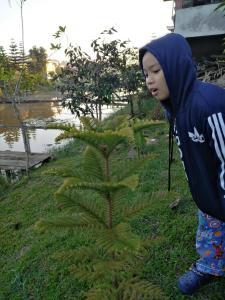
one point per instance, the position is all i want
(95, 198)
(138, 131)
(91, 124)
(133, 128)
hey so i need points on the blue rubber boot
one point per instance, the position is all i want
(192, 280)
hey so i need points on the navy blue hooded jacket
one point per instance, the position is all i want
(198, 109)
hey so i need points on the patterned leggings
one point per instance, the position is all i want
(210, 245)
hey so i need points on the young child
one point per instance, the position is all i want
(197, 112)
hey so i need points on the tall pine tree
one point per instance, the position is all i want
(14, 55)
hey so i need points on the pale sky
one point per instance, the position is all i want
(136, 20)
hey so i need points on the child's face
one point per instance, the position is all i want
(154, 76)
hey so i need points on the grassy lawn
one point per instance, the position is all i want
(28, 262)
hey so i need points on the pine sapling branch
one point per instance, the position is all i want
(107, 173)
(110, 209)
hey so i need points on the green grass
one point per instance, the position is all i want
(29, 269)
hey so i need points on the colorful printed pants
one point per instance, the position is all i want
(210, 245)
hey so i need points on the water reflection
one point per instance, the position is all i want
(40, 140)
(10, 139)
(42, 110)
(10, 136)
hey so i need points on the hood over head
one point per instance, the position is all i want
(175, 57)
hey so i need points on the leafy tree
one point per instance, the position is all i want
(4, 60)
(96, 200)
(8, 73)
(5, 71)
(86, 84)
(33, 69)
(131, 77)
(105, 73)
(73, 82)
(221, 6)
(37, 60)
(58, 34)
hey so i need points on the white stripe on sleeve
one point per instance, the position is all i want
(218, 142)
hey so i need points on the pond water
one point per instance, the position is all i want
(41, 140)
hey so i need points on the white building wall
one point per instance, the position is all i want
(200, 21)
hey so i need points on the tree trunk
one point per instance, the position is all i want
(100, 112)
(96, 109)
(23, 129)
(131, 106)
(139, 101)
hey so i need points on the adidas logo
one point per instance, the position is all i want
(196, 137)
